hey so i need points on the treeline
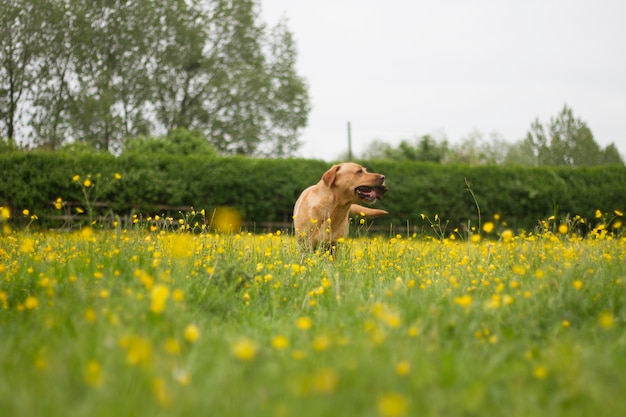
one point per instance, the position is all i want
(564, 141)
(101, 72)
(264, 190)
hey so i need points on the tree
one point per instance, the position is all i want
(287, 105)
(211, 73)
(179, 141)
(91, 87)
(110, 40)
(424, 149)
(566, 141)
(475, 150)
(377, 149)
(50, 94)
(521, 153)
(611, 156)
(102, 71)
(20, 45)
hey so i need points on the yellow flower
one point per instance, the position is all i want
(392, 405)
(158, 296)
(5, 213)
(606, 320)
(540, 372)
(79, 210)
(31, 303)
(325, 381)
(117, 176)
(280, 342)
(87, 183)
(403, 368)
(244, 349)
(519, 269)
(507, 235)
(578, 284)
(304, 323)
(138, 350)
(172, 346)
(75, 178)
(90, 315)
(58, 203)
(178, 295)
(321, 342)
(464, 300)
(25, 212)
(618, 213)
(563, 228)
(160, 392)
(598, 214)
(28, 245)
(93, 373)
(192, 333)
(488, 227)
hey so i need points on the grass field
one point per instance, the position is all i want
(154, 322)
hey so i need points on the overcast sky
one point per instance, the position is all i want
(398, 69)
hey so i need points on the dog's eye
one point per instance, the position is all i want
(359, 171)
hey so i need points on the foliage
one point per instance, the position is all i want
(264, 190)
(169, 323)
(102, 72)
(565, 141)
(179, 142)
(424, 149)
(521, 195)
(20, 45)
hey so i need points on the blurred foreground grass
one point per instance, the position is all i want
(131, 323)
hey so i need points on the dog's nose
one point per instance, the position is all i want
(381, 177)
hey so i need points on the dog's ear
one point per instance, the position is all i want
(329, 176)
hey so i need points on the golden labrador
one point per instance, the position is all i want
(321, 212)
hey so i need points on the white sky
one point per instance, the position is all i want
(398, 69)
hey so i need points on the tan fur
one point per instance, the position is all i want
(322, 210)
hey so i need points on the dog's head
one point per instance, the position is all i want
(354, 182)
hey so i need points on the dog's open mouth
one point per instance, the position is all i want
(370, 194)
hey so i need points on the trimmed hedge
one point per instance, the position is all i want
(522, 196)
(264, 190)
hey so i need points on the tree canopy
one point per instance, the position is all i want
(102, 71)
(564, 141)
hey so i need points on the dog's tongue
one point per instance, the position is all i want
(370, 194)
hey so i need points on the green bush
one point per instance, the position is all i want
(178, 142)
(264, 190)
(522, 196)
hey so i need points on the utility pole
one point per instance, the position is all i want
(349, 143)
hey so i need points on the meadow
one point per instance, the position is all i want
(160, 320)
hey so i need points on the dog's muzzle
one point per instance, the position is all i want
(370, 194)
